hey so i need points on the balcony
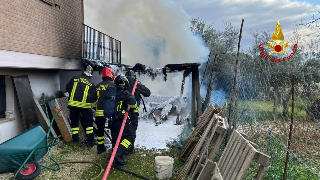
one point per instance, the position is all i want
(100, 47)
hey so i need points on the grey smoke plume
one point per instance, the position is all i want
(152, 32)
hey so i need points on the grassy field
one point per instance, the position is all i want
(304, 159)
(260, 110)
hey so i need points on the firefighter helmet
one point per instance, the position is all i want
(88, 71)
(121, 81)
(107, 72)
(130, 73)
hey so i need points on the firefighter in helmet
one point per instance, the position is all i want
(98, 97)
(140, 90)
(123, 99)
(79, 87)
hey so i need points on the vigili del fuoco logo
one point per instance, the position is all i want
(277, 46)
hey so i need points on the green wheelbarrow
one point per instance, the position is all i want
(21, 153)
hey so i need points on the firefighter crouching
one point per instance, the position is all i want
(140, 90)
(98, 96)
(123, 99)
(79, 87)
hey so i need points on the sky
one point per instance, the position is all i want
(155, 32)
(258, 15)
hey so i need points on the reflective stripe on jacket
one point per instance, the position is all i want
(79, 87)
(98, 95)
(124, 98)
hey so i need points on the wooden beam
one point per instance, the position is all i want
(198, 96)
(210, 168)
(193, 102)
(208, 114)
(47, 122)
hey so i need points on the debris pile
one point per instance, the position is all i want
(160, 107)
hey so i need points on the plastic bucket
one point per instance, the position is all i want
(163, 167)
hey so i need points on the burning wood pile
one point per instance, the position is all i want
(160, 107)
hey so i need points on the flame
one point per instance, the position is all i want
(277, 34)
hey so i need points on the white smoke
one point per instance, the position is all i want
(152, 32)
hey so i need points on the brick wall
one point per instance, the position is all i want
(32, 26)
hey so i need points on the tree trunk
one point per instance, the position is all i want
(275, 103)
(285, 101)
(208, 96)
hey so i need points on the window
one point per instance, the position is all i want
(2, 96)
(6, 99)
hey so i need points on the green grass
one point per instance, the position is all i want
(264, 110)
(141, 162)
(297, 168)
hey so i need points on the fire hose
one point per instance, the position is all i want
(117, 145)
(101, 169)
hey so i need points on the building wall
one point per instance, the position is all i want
(41, 81)
(33, 26)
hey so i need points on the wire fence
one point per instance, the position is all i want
(262, 100)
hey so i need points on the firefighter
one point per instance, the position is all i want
(79, 87)
(140, 90)
(123, 99)
(98, 96)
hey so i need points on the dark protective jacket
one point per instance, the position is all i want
(124, 98)
(79, 87)
(99, 93)
(140, 90)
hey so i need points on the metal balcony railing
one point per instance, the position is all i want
(100, 47)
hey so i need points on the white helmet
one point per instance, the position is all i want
(88, 71)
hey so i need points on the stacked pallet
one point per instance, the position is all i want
(204, 143)
(235, 161)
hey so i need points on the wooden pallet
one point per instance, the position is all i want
(211, 147)
(63, 127)
(218, 137)
(45, 122)
(189, 164)
(196, 134)
(236, 159)
(210, 168)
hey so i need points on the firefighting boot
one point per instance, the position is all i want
(90, 140)
(76, 139)
(100, 147)
(131, 150)
(75, 135)
(119, 160)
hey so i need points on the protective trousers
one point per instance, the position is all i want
(86, 120)
(134, 123)
(126, 138)
(100, 121)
